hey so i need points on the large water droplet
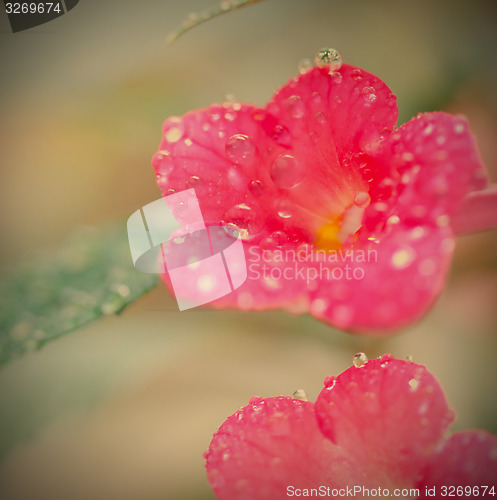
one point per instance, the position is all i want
(368, 94)
(281, 135)
(328, 57)
(286, 172)
(359, 359)
(246, 219)
(300, 395)
(362, 199)
(240, 149)
(295, 106)
(305, 65)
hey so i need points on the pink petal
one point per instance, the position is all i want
(389, 413)
(385, 284)
(436, 161)
(266, 446)
(467, 459)
(477, 212)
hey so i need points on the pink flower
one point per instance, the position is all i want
(341, 215)
(381, 424)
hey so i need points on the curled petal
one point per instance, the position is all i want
(266, 446)
(477, 212)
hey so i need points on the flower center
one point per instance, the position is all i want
(332, 235)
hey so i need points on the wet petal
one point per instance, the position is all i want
(388, 413)
(436, 162)
(467, 459)
(385, 283)
(266, 446)
(477, 212)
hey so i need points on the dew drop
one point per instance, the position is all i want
(320, 117)
(256, 188)
(329, 382)
(368, 94)
(174, 134)
(281, 135)
(459, 127)
(328, 57)
(300, 395)
(246, 219)
(229, 99)
(318, 306)
(362, 199)
(255, 400)
(410, 358)
(305, 65)
(295, 106)
(316, 97)
(359, 359)
(428, 129)
(336, 77)
(413, 385)
(194, 182)
(286, 172)
(403, 257)
(240, 149)
(356, 74)
(275, 240)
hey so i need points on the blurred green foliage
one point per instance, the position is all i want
(90, 276)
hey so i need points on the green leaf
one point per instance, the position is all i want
(196, 18)
(91, 276)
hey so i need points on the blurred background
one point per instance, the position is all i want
(124, 408)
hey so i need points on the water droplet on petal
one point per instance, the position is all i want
(174, 134)
(359, 359)
(300, 395)
(194, 182)
(320, 117)
(328, 57)
(229, 99)
(356, 74)
(368, 94)
(246, 219)
(256, 188)
(329, 382)
(295, 106)
(255, 400)
(282, 135)
(403, 257)
(362, 199)
(413, 385)
(240, 149)
(286, 172)
(305, 65)
(336, 77)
